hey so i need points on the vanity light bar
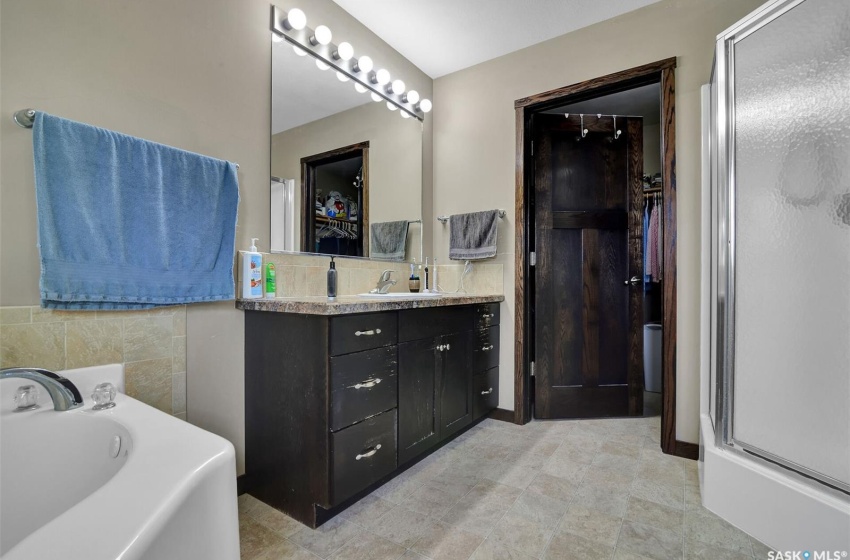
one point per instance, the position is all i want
(334, 56)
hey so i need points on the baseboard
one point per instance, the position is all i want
(241, 484)
(502, 414)
(686, 450)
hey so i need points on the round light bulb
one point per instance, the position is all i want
(404, 114)
(344, 51)
(412, 97)
(295, 19)
(425, 106)
(322, 35)
(376, 98)
(360, 88)
(341, 77)
(391, 106)
(382, 76)
(397, 87)
(321, 65)
(276, 38)
(364, 64)
(299, 51)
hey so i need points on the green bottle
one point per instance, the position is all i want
(270, 281)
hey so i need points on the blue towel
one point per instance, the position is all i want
(128, 224)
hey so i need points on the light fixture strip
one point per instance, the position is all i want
(301, 39)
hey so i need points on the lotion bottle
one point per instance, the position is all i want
(252, 272)
(332, 281)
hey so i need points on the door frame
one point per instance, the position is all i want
(662, 72)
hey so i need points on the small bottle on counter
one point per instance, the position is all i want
(271, 284)
(252, 272)
(413, 284)
(426, 290)
(332, 281)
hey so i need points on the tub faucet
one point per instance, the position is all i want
(384, 284)
(65, 394)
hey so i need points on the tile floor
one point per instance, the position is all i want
(585, 489)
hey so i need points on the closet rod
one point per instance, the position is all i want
(25, 118)
(445, 219)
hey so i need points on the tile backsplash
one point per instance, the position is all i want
(150, 343)
(306, 275)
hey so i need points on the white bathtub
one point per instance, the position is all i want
(170, 493)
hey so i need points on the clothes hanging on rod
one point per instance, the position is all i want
(653, 250)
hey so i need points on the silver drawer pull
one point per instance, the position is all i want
(368, 453)
(487, 392)
(487, 348)
(489, 315)
(448, 346)
(370, 332)
(367, 383)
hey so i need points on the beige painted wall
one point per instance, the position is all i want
(194, 74)
(395, 161)
(474, 144)
(651, 149)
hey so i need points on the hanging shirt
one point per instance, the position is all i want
(647, 277)
(652, 245)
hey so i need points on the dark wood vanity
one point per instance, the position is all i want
(337, 403)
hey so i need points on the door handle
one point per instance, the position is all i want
(633, 281)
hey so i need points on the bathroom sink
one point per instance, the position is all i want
(402, 295)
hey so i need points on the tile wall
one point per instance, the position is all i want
(151, 344)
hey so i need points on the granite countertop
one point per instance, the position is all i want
(345, 305)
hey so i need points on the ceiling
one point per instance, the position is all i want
(444, 36)
(644, 101)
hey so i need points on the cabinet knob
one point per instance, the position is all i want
(448, 346)
(370, 332)
(487, 392)
(369, 453)
(487, 348)
(367, 383)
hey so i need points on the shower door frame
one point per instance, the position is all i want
(723, 318)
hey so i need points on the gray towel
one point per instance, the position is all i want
(473, 236)
(389, 240)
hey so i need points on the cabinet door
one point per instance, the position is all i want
(418, 427)
(455, 406)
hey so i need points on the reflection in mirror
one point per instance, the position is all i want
(348, 166)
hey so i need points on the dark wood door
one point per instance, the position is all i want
(455, 357)
(418, 383)
(588, 240)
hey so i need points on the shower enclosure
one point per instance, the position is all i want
(778, 377)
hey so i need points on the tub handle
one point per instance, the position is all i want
(368, 383)
(368, 453)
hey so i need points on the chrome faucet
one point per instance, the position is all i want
(65, 394)
(384, 284)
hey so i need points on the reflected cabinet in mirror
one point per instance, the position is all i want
(345, 169)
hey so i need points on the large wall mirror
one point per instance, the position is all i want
(343, 166)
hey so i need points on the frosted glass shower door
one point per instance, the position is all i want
(790, 115)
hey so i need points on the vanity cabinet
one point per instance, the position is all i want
(336, 404)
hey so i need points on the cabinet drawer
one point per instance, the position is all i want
(362, 454)
(353, 333)
(485, 349)
(363, 384)
(416, 324)
(486, 315)
(485, 392)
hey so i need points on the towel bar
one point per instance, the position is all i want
(25, 117)
(445, 219)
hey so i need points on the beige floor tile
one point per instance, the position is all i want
(247, 503)
(286, 550)
(618, 463)
(566, 546)
(328, 538)
(695, 549)
(402, 526)
(577, 450)
(591, 524)
(649, 541)
(621, 554)
(487, 491)
(610, 478)
(553, 486)
(367, 511)
(715, 531)
(476, 517)
(539, 509)
(273, 519)
(572, 471)
(445, 542)
(657, 515)
(760, 550)
(612, 501)
(653, 471)
(490, 550)
(367, 546)
(668, 493)
(620, 448)
(255, 539)
(517, 532)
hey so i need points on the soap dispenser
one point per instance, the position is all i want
(252, 272)
(332, 281)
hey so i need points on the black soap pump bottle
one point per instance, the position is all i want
(332, 281)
